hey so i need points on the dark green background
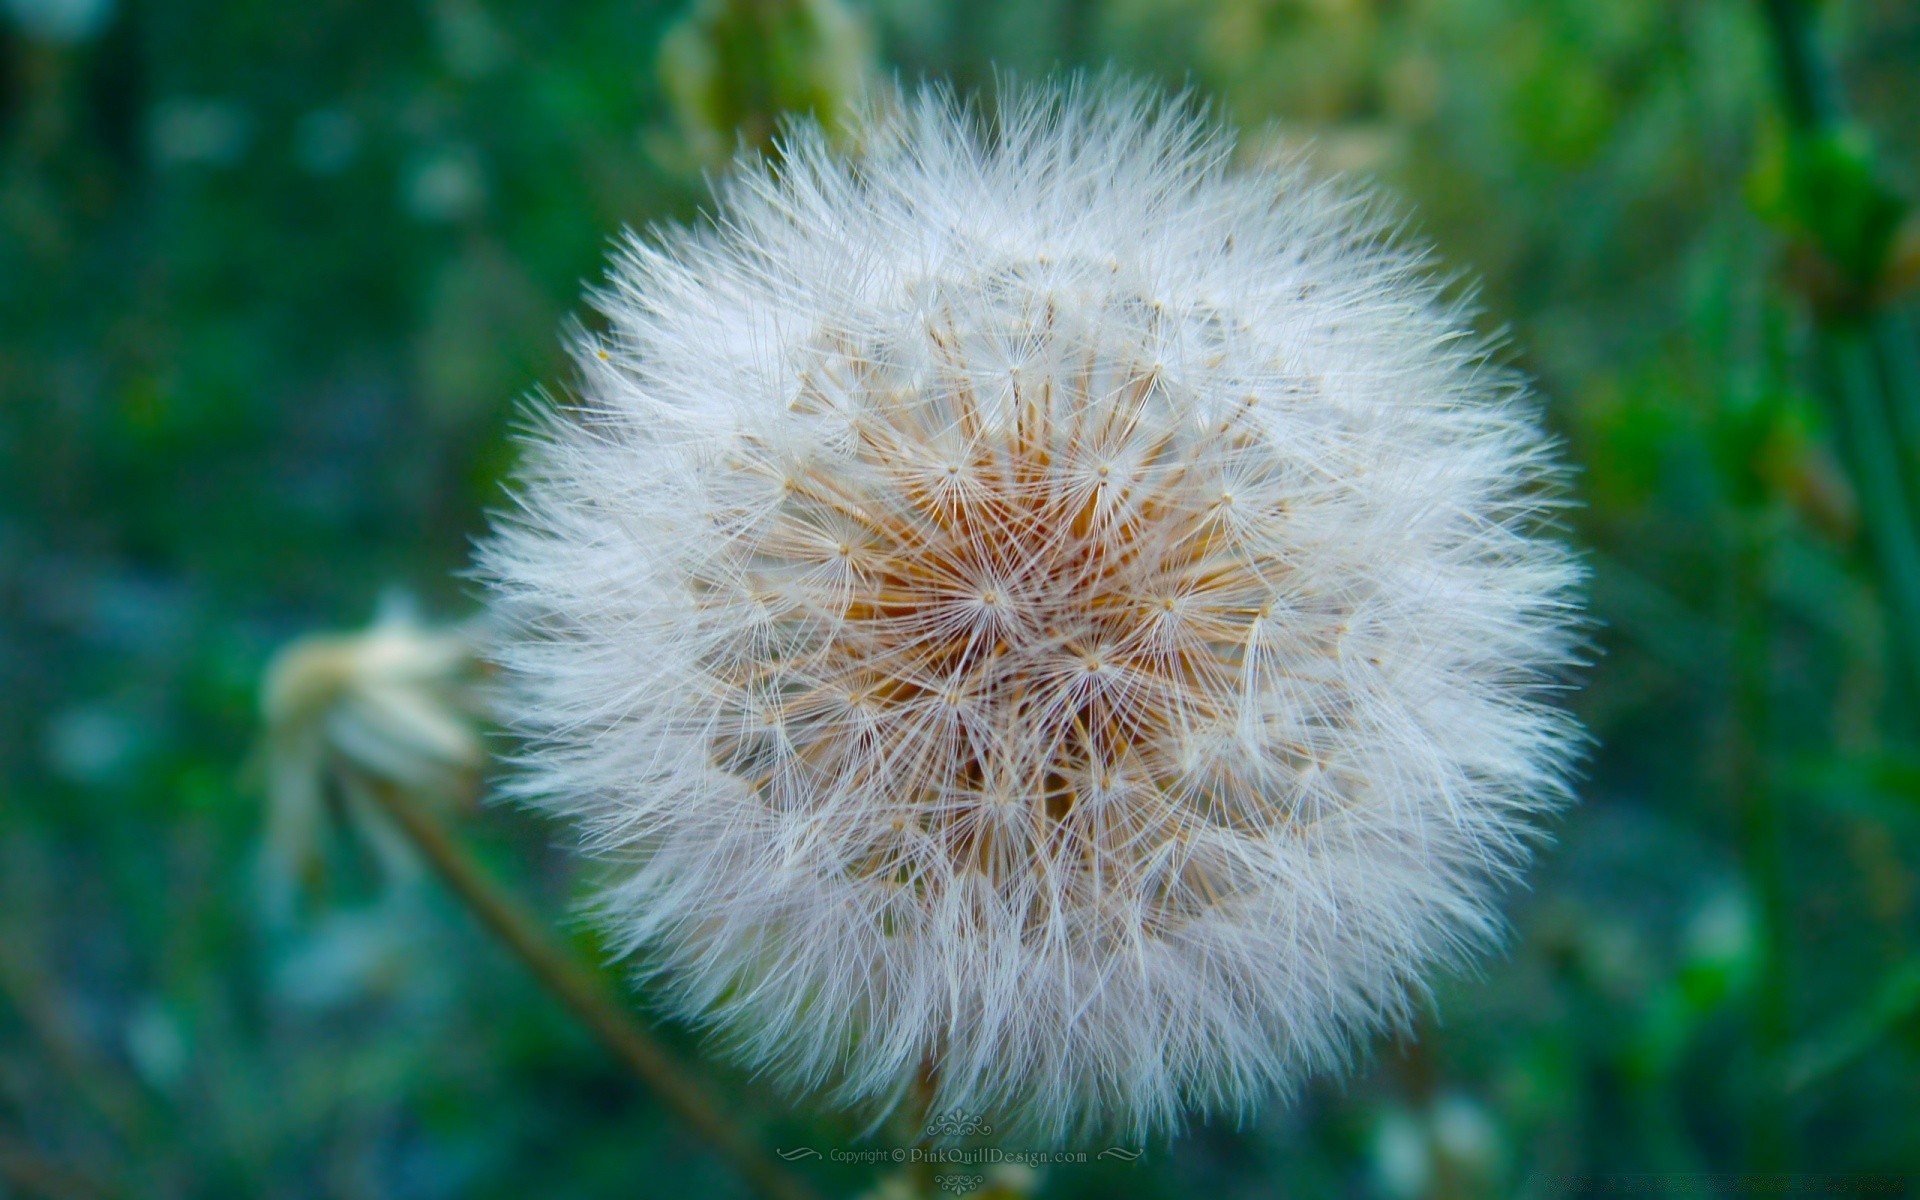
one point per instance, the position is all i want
(273, 276)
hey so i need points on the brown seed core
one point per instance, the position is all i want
(1009, 627)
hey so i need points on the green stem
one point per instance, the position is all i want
(1880, 475)
(1899, 364)
(1871, 358)
(1769, 1132)
(583, 994)
(1807, 84)
(911, 1123)
(1815, 106)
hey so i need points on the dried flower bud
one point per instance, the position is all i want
(391, 705)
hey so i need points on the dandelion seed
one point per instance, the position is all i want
(1030, 608)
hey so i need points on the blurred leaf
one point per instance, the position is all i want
(733, 68)
(1892, 773)
(1893, 1007)
(1826, 190)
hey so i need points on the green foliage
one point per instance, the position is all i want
(733, 68)
(1824, 189)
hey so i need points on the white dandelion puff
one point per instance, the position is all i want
(1030, 607)
(392, 705)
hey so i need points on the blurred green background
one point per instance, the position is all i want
(273, 277)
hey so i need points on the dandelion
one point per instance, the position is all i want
(1033, 613)
(391, 705)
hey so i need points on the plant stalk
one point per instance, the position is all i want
(1769, 1131)
(1899, 362)
(1808, 86)
(1855, 375)
(584, 995)
(1868, 364)
(1870, 356)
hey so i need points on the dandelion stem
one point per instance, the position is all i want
(926, 1087)
(585, 996)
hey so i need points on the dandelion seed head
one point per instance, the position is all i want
(1028, 606)
(392, 705)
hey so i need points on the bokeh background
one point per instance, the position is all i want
(274, 276)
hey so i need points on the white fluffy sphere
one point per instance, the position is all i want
(1026, 606)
